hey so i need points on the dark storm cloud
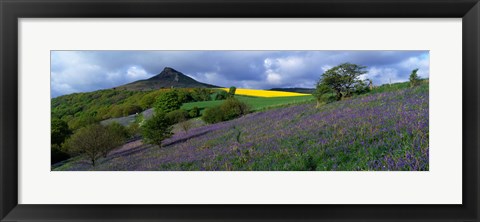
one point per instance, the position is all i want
(81, 71)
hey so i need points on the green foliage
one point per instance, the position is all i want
(94, 141)
(233, 108)
(414, 78)
(167, 102)
(221, 95)
(323, 94)
(230, 109)
(156, 129)
(177, 116)
(82, 109)
(201, 94)
(194, 112)
(343, 79)
(118, 129)
(59, 131)
(213, 115)
(231, 91)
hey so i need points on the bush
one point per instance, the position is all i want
(230, 109)
(194, 112)
(213, 115)
(221, 95)
(118, 129)
(177, 116)
(233, 108)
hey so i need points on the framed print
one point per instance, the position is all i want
(226, 110)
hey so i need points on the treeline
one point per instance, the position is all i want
(82, 109)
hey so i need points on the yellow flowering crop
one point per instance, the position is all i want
(264, 93)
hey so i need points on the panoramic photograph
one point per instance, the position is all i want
(235, 110)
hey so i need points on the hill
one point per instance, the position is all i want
(381, 131)
(168, 78)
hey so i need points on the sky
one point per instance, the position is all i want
(85, 71)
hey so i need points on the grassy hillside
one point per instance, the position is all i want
(386, 130)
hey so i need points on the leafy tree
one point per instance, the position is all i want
(343, 79)
(231, 91)
(167, 102)
(59, 131)
(323, 94)
(414, 78)
(156, 129)
(93, 141)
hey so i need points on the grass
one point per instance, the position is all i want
(256, 103)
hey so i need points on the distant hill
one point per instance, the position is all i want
(298, 90)
(168, 78)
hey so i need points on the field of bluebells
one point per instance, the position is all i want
(382, 131)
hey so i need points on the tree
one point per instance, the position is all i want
(59, 131)
(414, 78)
(94, 141)
(167, 102)
(323, 94)
(231, 91)
(156, 129)
(342, 79)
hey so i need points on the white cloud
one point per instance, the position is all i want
(136, 73)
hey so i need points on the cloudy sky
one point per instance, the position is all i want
(84, 71)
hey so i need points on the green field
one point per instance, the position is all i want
(256, 103)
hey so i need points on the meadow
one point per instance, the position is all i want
(255, 103)
(382, 130)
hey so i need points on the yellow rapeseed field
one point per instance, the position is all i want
(264, 93)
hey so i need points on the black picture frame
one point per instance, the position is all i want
(12, 10)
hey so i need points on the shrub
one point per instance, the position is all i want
(230, 109)
(213, 115)
(233, 108)
(221, 95)
(118, 129)
(194, 112)
(177, 116)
